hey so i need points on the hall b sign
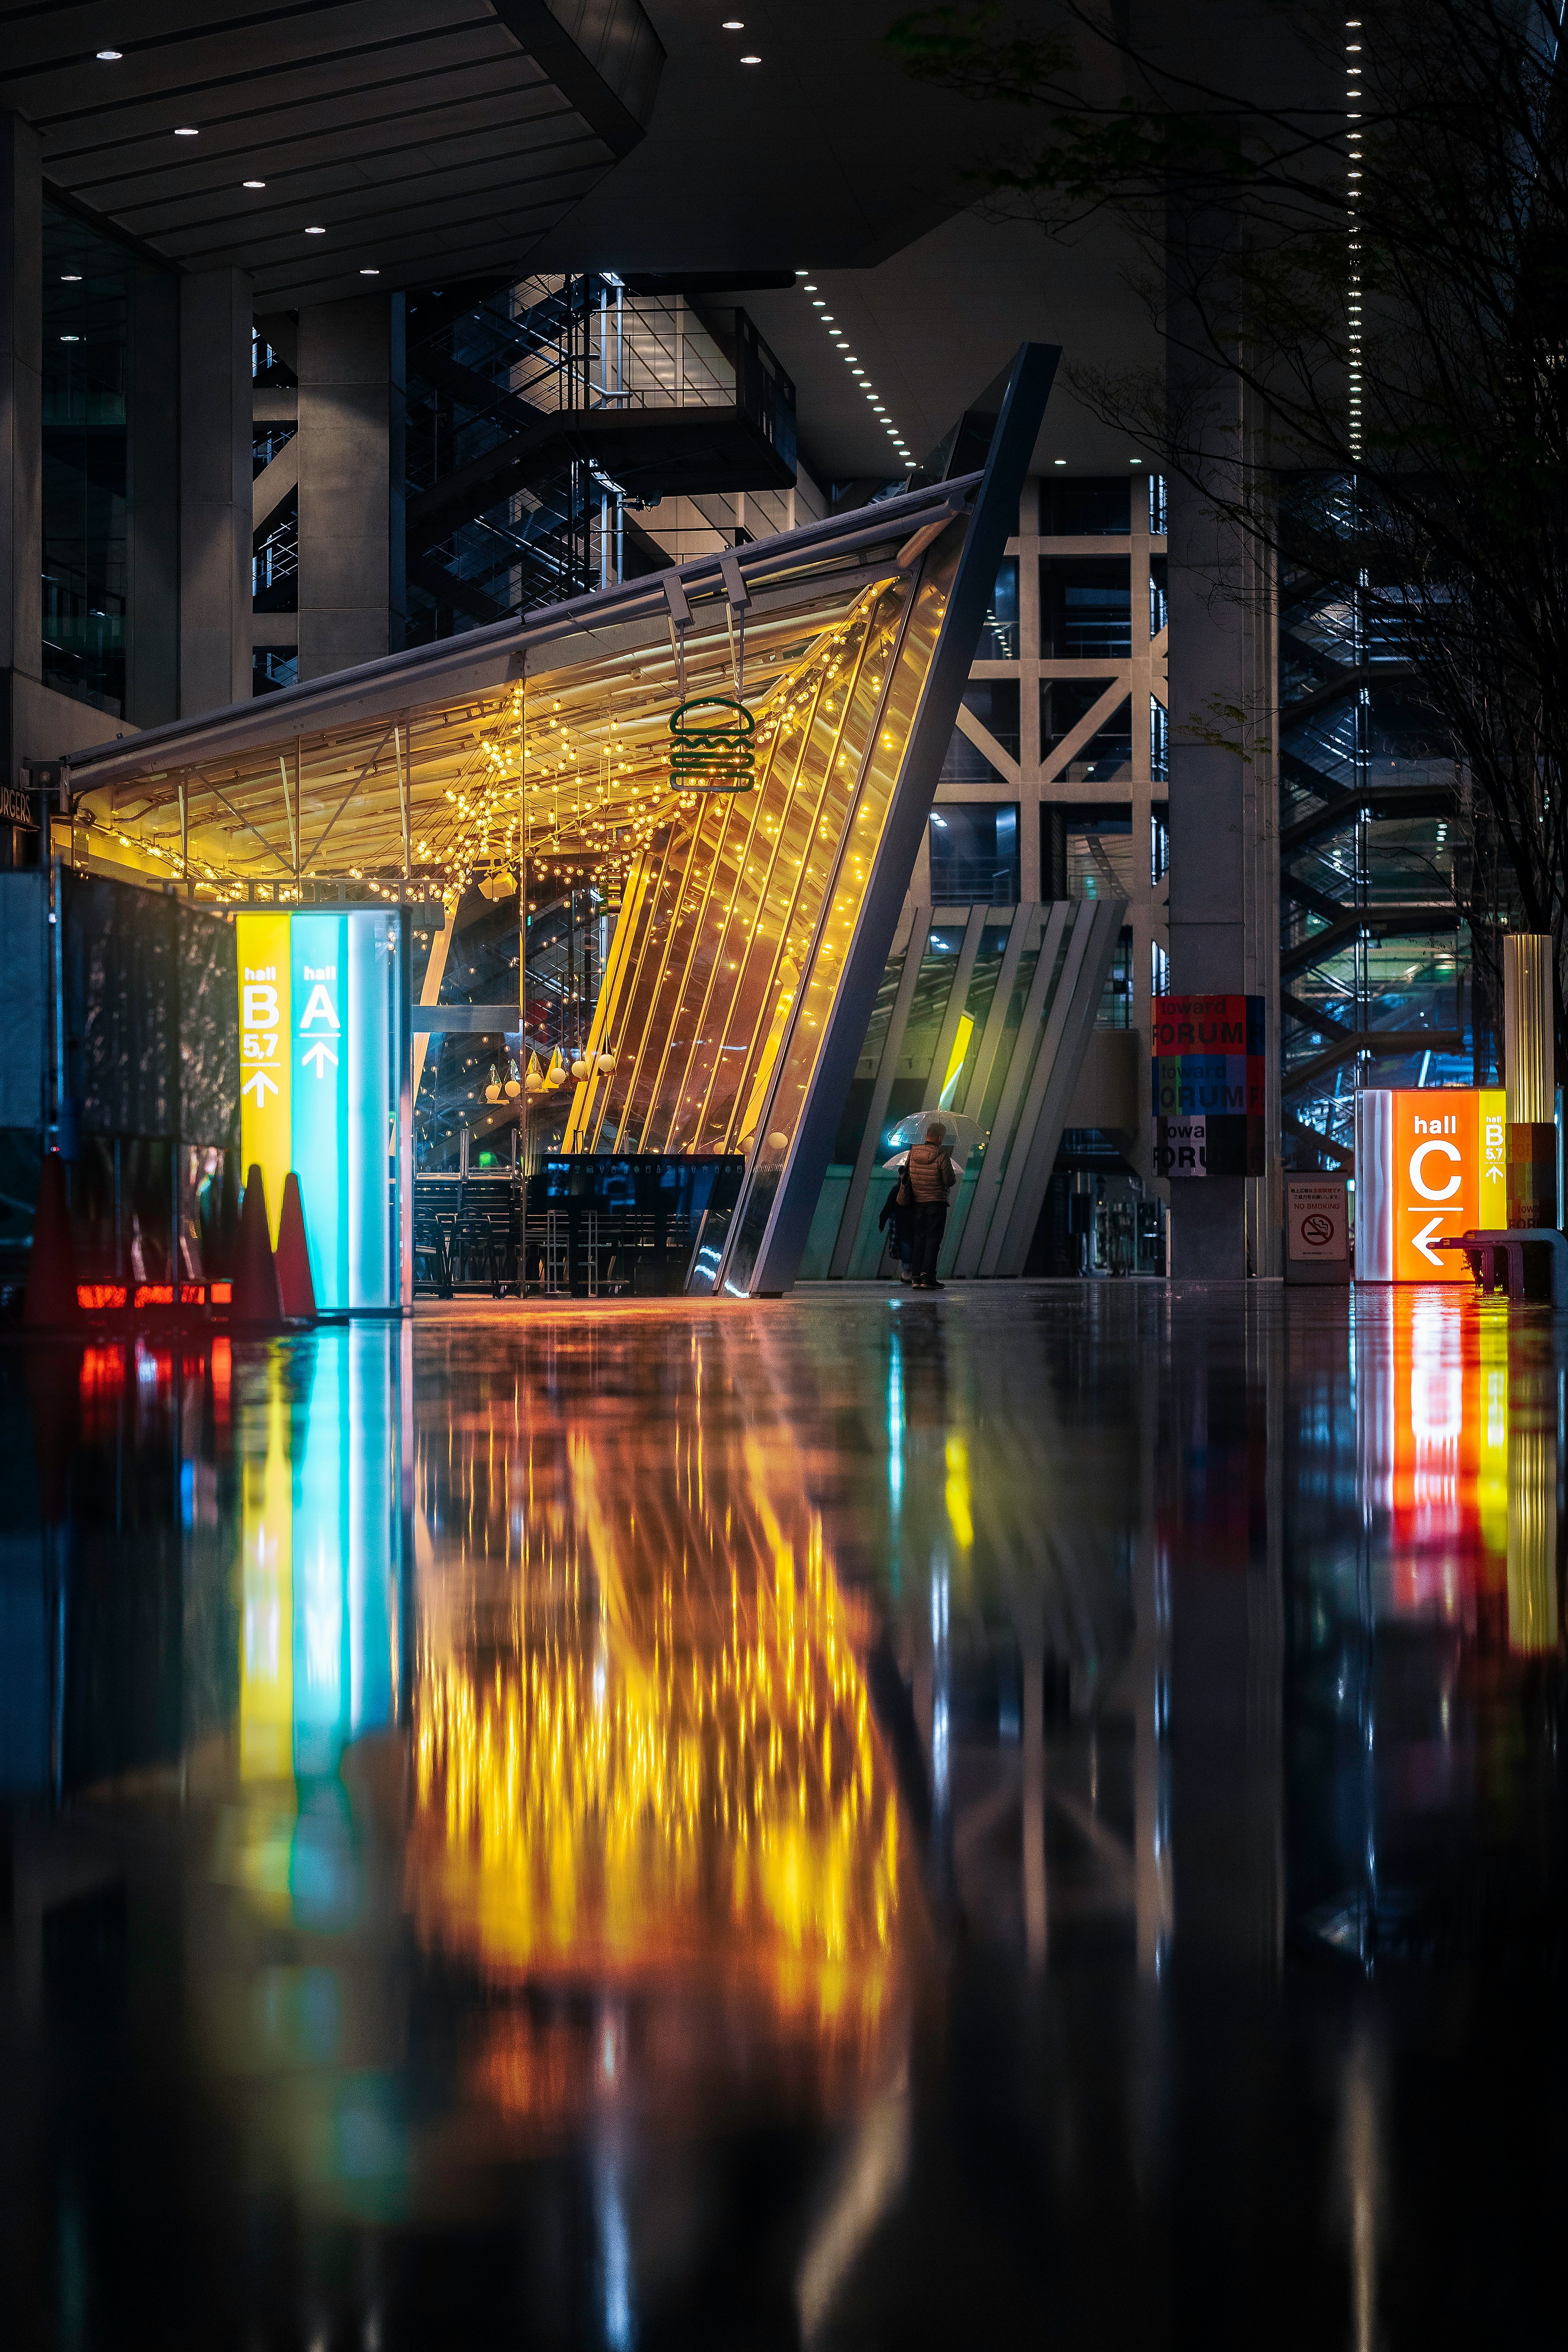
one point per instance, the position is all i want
(1430, 1164)
(317, 1087)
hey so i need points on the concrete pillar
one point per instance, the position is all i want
(21, 426)
(351, 482)
(215, 490)
(1225, 856)
(1529, 1066)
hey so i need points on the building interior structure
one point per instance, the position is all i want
(586, 664)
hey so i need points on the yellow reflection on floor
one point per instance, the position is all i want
(651, 1762)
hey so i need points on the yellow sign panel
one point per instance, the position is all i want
(261, 945)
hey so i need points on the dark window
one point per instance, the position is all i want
(1158, 839)
(1116, 997)
(974, 853)
(1086, 608)
(275, 559)
(265, 440)
(995, 703)
(87, 295)
(272, 667)
(1159, 611)
(1157, 507)
(1105, 756)
(1082, 510)
(999, 630)
(1085, 849)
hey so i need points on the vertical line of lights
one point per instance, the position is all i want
(1353, 80)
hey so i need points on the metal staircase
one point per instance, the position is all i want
(543, 416)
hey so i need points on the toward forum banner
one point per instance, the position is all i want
(318, 1018)
(1206, 1058)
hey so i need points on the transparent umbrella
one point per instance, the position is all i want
(960, 1134)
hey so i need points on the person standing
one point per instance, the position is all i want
(895, 1221)
(931, 1177)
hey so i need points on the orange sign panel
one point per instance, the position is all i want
(1449, 1169)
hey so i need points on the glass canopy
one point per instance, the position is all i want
(537, 756)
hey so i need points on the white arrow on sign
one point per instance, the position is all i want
(1423, 1242)
(320, 1053)
(259, 1082)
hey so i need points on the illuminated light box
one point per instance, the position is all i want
(1431, 1163)
(320, 1020)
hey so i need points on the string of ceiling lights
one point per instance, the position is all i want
(1353, 78)
(851, 361)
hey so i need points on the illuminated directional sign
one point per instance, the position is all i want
(1431, 1163)
(318, 1031)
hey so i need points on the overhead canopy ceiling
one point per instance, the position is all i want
(317, 783)
(419, 137)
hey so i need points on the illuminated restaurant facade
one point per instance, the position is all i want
(747, 888)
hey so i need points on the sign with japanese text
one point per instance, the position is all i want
(1207, 1061)
(1317, 1223)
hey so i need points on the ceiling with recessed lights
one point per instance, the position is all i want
(328, 146)
(309, 143)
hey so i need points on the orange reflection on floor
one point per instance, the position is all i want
(1453, 1451)
(660, 1774)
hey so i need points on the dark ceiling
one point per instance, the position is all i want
(422, 136)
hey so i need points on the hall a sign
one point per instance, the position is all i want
(318, 1087)
(1206, 1060)
(1430, 1163)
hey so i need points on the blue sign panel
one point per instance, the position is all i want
(320, 1091)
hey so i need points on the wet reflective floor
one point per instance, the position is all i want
(1036, 1816)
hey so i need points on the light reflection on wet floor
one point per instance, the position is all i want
(856, 1820)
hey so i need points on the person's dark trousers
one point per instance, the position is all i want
(928, 1219)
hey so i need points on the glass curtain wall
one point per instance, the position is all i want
(109, 473)
(88, 301)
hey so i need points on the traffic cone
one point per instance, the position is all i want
(295, 1286)
(255, 1303)
(227, 1216)
(51, 1303)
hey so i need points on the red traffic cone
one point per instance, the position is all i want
(51, 1304)
(256, 1302)
(295, 1286)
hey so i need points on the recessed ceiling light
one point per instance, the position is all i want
(315, 232)
(70, 339)
(803, 273)
(1135, 461)
(750, 62)
(820, 304)
(1060, 461)
(370, 273)
(111, 57)
(253, 183)
(71, 278)
(186, 131)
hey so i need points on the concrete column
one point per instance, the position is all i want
(1225, 856)
(21, 426)
(215, 490)
(350, 483)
